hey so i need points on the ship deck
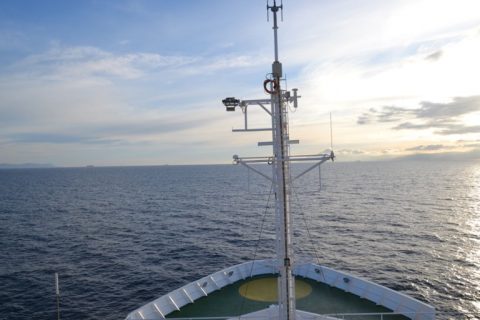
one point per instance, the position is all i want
(250, 287)
(260, 292)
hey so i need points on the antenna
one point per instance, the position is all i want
(274, 8)
(331, 135)
(57, 292)
(268, 13)
(281, 6)
(332, 155)
(319, 178)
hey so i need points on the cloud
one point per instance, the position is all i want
(391, 113)
(363, 119)
(120, 130)
(12, 40)
(62, 62)
(434, 56)
(85, 94)
(459, 106)
(409, 125)
(230, 62)
(430, 147)
(67, 91)
(470, 143)
(430, 115)
(57, 138)
(473, 154)
(459, 129)
(349, 152)
(158, 126)
(85, 61)
(459, 145)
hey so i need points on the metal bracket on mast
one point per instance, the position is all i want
(321, 159)
(237, 160)
(232, 103)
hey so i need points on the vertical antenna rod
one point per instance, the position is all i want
(57, 292)
(280, 138)
(332, 154)
(331, 133)
(274, 9)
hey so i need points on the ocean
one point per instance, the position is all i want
(120, 237)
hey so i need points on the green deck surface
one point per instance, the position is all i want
(322, 299)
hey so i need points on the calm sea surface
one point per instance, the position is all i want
(122, 236)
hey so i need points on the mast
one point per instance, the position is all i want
(280, 161)
(280, 167)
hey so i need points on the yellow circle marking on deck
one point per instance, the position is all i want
(265, 289)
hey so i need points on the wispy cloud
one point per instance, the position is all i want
(71, 62)
(442, 112)
(430, 115)
(430, 147)
(88, 97)
(459, 106)
(349, 152)
(60, 63)
(12, 40)
(230, 62)
(434, 56)
(57, 138)
(469, 143)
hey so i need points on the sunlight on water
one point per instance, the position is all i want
(473, 256)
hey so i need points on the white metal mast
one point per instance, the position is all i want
(280, 161)
(286, 281)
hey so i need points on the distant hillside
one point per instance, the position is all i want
(25, 165)
(447, 156)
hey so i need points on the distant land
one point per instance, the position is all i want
(25, 165)
(444, 156)
(472, 155)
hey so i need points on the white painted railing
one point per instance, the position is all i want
(174, 300)
(396, 301)
(393, 300)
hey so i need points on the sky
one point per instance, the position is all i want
(141, 82)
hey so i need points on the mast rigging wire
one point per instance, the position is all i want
(302, 213)
(257, 244)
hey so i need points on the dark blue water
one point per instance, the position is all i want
(120, 237)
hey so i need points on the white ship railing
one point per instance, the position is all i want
(348, 316)
(393, 300)
(174, 300)
(398, 302)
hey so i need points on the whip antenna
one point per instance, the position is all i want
(331, 135)
(332, 155)
(57, 292)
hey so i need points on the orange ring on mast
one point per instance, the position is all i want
(275, 86)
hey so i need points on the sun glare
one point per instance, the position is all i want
(474, 255)
(420, 18)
